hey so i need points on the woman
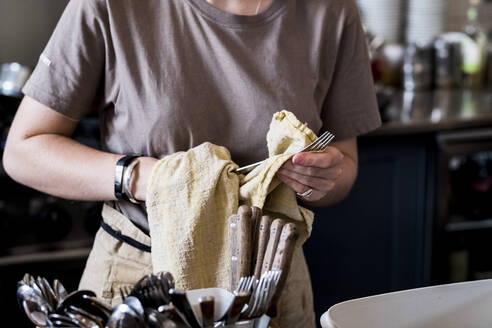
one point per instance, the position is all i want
(167, 75)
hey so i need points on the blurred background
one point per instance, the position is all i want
(420, 212)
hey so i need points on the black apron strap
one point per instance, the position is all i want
(125, 239)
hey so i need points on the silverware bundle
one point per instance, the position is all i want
(258, 245)
(153, 302)
(51, 306)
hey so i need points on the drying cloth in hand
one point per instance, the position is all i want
(191, 195)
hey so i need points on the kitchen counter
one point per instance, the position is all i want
(436, 111)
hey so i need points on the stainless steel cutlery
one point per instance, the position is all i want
(318, 144)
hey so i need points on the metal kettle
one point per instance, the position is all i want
(13, 76)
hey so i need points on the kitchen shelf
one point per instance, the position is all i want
(468, 225)
(48, 252)
(50, 256)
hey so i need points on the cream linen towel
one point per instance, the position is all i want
(191, 195)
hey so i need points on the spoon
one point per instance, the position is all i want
(135, 305)
(25, 292)
(36, 312)
(97, 322)
(26, 279)
(60, 290)
(66, 320)
(50, 292)
(74, 298)
(96, 306)
(34, 285)
(124, 316)
(83, 321)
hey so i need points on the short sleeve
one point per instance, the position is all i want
(69, 73)
(350, 107)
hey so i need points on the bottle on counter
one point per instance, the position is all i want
(448, 63)
(418, 65)
(474, 52)
(489, 60)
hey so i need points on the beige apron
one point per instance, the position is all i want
(113, 264)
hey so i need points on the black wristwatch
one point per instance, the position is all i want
(118, 176)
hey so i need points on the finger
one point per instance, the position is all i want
(331, 156)
(320, 184)
(300, 188)
(332, 173)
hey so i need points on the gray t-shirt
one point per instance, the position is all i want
(168, 75)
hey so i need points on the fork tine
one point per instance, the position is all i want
(315, 142)
(253, 302)
(263, 293)
(312, 143)
(245, 284)
(269, 291)
(240, 285)
(124, 291)
(325, 143)
(318, 141)
(251, 282)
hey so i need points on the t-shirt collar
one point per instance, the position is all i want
(234, 20)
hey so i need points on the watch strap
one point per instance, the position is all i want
(118, 176)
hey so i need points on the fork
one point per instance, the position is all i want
(262, 294)
(125, 291)
(319, 144)
(245, 284)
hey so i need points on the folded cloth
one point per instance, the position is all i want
(191, 195)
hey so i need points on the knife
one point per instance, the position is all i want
(263, 236)
(282, 261)
(180, 301)
(244, 234)
(275, 231)
(234, 311)
(255, 223)
(207, 305)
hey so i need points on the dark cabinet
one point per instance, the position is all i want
(378, 239)
(463, 221)
(39, 234)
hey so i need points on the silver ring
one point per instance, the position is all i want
(305, 194)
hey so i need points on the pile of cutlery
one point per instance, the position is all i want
(153, 302)
(49, 305)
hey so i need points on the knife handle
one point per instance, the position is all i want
(233, 249)
(263, 236)
(180, 301)
(255, 223)
(244, 241)
(283, 260)
(207, 307)
(275, 231)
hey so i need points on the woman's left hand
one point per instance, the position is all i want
(319, 171)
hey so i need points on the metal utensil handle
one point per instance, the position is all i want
(233, 250)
